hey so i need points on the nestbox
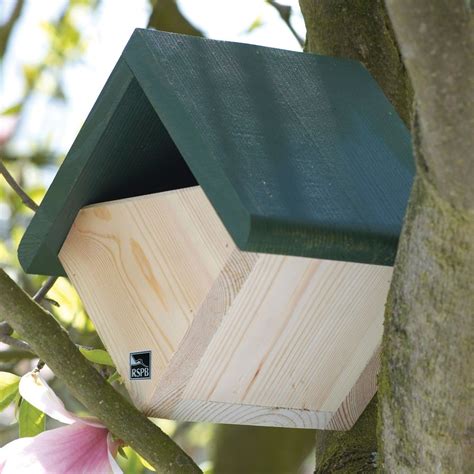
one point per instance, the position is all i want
(229, 215)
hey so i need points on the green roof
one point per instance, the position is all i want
(299, 154)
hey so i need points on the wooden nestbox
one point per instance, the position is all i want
(229, 215)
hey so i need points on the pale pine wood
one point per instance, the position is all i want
(142, 270)
(349, 410)
(236, 337)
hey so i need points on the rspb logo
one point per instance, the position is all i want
(140, 365)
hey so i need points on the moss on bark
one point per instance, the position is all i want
(353, 451)
(425, 385)
(166, 16)
(360, 29)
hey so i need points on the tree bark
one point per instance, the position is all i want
(425, 387)
(349, 451)
(166, 16)
(361, 30)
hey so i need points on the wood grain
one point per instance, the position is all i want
(143, 267)
(236, 337)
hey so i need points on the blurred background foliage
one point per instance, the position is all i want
(55, 56)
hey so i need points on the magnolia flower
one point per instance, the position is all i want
(85, 446)
(7, 127)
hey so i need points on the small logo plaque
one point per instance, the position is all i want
(140, 365)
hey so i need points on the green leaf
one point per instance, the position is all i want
(8, 388)
(13, 110)
(115, 377)
(97, 356)
(31, 421)
(257, 23)
(122, 452)
(145, 463)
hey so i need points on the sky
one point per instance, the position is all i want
(107, 33)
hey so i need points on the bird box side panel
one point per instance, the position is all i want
(142, 267)
(298, 336)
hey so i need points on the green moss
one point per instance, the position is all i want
(349, 451)
(424, 399)
(361, 30)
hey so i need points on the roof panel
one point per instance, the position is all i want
(299, 154)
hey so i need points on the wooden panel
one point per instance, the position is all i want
(353, 405)
(236, 337)
(238, 414)
(122, 150)
(143, 267)
(291, 158)
(313, 323)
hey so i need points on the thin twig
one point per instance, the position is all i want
(6, 332)
(43, 291)
(14, 355)
(6, 329)
(25, 199)
(14, 342)
(285, 14)
(52, 302)
(38, 297)
(7, 28)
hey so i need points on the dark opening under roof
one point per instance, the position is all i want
(299, 154)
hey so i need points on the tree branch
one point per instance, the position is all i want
(12, 341)
(43, 291)
(14, 355)
(6, 330)
(7, 28)
(285, 14)
(26, 200)
(166, 16)
(53, 345)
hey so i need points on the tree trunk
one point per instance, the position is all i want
(425, 388)
(349, 451)
(259, 450)
(166, 16)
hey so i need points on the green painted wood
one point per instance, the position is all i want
(299, 154)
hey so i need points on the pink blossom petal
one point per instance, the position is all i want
(34, 389)
(12, 450)
(112, 448)
(8, 124)
(73, 449)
